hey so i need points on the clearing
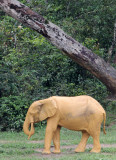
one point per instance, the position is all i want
(15, 146)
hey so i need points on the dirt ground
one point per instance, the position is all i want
(69, 149)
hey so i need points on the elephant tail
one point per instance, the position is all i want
(104, 117)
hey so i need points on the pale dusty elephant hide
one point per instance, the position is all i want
(80, 113)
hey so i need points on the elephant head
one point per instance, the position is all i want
(38, 111)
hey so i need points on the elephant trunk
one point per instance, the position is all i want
(32, 131)
(26, 128)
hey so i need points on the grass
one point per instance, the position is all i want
(15, 146)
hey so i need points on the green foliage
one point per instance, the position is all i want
(94, 46)
(12, 112)
(31, 68)
(87, 19)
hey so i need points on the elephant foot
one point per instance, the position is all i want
(46, 151)
(79, 150)
(56, 151)
(95, 150)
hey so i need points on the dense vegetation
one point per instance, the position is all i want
(31, 68)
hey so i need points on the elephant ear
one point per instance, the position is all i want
(48, 108)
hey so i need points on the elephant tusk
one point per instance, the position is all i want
(29, 137)
(32, 131)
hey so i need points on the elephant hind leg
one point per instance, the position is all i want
(82, 144)
(96, 142)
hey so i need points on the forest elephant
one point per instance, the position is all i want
(80, 113)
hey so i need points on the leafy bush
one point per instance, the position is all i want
(12, 112)
(31, 68)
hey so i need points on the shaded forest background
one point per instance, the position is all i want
(31, 68)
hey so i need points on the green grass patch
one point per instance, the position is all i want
(15, 146)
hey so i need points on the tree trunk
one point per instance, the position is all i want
(76, 51)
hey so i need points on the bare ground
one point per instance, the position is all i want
(69, 150)
(72, 147)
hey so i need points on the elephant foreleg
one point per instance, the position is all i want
(56, 140)
(50, 130)
(82, 144)
(47, 141)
